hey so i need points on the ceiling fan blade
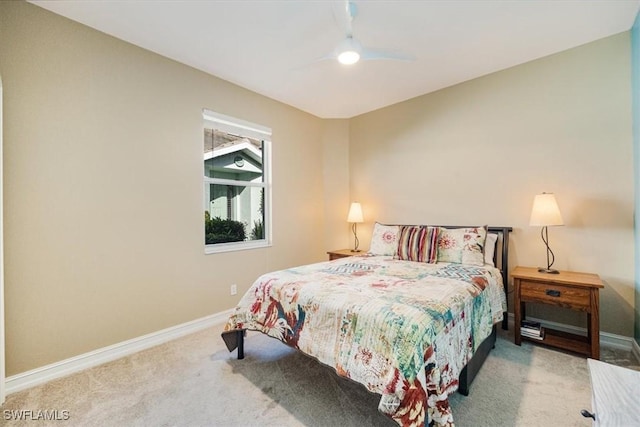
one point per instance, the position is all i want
(330, 56)
(305, 66)
(349, 50)
(379, 54)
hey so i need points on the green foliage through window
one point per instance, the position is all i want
(257, 232)
(218, 230)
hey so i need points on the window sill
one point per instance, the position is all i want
(238, 246)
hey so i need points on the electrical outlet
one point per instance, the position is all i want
(234, 289)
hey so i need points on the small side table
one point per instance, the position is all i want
(570, 290)
(342, 253)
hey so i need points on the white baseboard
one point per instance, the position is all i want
(97, 357)
(606, 339)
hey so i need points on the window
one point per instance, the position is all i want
(237, 184)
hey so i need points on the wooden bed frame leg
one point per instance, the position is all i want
(463, 385)
(240, 338)
(235, 339)
(473, 366)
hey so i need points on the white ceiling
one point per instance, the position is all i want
(270, 46)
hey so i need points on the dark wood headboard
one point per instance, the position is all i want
(503, 265)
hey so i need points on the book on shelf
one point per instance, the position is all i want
(530, 324)
(533, 336)
(531, 329)
(530, 333)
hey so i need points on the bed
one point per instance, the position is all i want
(412, 320)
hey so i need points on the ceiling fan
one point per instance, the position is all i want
(350, 50)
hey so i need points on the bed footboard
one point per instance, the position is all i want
(471, 369)
(235, 339)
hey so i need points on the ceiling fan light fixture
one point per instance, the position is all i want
(348, 57)
(348, 51)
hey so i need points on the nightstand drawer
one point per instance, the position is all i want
(549, 293)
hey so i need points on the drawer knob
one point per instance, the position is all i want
(552, 293)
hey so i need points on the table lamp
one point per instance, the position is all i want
(355, 216)
(545, 213)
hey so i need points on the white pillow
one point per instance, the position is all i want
(490, 248)
(384, 240)
(462, 245)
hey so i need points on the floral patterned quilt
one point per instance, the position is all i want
(403, 329)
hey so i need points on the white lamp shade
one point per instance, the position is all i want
(355, 213)
(545, 211)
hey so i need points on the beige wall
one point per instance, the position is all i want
(478, 152)
(336, 184)
(103, 189)
(103, 170)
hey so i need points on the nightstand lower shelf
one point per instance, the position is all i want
(564, 340)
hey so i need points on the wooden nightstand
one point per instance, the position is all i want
(342, 253)
(569, 289)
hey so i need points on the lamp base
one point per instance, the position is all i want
(547, 270)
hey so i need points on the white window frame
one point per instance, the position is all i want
(235, 126)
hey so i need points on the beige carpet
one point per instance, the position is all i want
(194, 381)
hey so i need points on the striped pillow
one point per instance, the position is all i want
(417, 243)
